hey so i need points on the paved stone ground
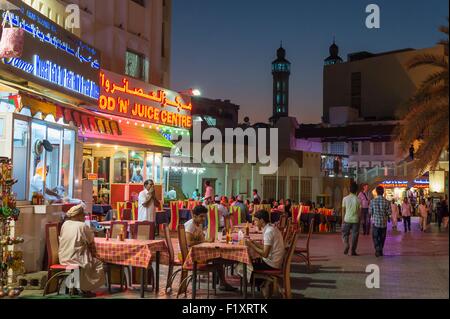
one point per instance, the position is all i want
(415, 265)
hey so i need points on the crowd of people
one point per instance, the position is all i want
(362, 209)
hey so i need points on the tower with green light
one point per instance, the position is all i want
(281, 70)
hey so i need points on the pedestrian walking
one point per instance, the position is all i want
(380, 209)
(423, 212)
(406, 214)
(351, 207)
(394, 214)
(364, 198)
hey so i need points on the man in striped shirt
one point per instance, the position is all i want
(380, 209)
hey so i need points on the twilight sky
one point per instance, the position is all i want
(225, 47)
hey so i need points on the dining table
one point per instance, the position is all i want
(208, 251)
(132, 253)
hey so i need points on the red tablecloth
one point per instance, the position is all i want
(135, 253)
(209, 251)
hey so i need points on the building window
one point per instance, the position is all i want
(356, 90)
(366, 148)
(338, 148)
(355, 148)
(136, 65)
(377, 148)
(389, 148)
(139, 2)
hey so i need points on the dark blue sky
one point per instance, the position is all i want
(225, 47)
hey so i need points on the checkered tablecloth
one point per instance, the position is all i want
(209, 251)
(135, 253)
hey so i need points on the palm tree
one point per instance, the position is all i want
(427, 116)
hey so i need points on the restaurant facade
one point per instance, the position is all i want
(75, 131)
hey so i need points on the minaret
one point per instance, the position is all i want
(334, 57)
(281, 70)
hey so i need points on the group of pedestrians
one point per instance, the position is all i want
(359, 210)
(364, 210)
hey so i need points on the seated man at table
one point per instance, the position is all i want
(195, 235)
(272, 250)
(77, 247)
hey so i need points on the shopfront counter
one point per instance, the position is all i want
(31, 226)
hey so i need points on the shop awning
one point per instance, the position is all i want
(133, 136)
(82, 118)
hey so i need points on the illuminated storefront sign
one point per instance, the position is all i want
(404, 184)
(52, 56)
(138, 100)
(395, 184)
(55, 74)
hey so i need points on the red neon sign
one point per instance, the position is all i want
(134, 99)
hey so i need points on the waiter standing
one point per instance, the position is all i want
(146, 202)
(365, 198)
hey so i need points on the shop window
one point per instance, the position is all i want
(136, 165)
(158, 164)
(150, 158)
(51, 161)
(68, 156)
(120, 168)
(20, 164)
(154, 164)
(338, 148)
(37, 160)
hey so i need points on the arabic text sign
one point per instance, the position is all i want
(52, 56)
(138, 100)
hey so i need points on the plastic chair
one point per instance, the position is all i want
(213, 222)
(236, 215)
(173, 260)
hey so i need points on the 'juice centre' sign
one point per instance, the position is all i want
(134, 99)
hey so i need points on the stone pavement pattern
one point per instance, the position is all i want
(415, 265)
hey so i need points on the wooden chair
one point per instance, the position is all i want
(173, 260)
(116, 229)
(288, 231)
(56, 271)
(201, 268)
(143, 230)
(303, 252)
(282, 223)
(296, 216)
(284, 274)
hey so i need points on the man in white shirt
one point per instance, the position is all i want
(195, 235)
(272, 251)
(146, 202)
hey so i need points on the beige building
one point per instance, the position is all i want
(133, 35)
(376, 85)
